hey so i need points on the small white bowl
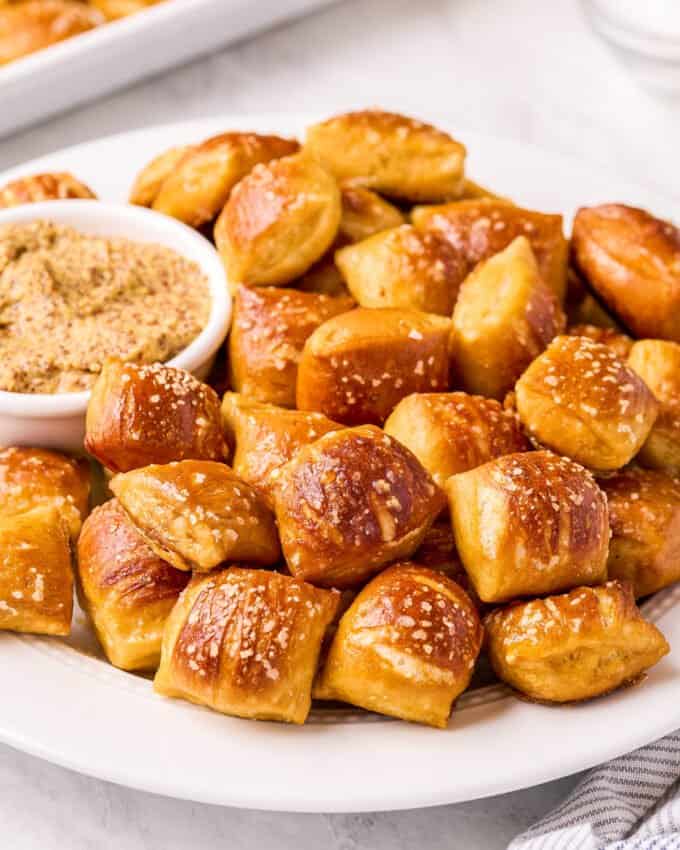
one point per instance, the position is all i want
(57, 420)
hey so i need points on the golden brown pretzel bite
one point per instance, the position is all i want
(324, 278)
(139, 415)
(581, 307)
(52, 186)
(619, 342)
(581, 400)
(365, 213)
(528, 524)
(632, 261)
(474, 191)
(126, 588)
(575, 646)
(196, 514)
(504, 317)
(644, 514)
(392, 154)
(454, 432)
(350, 503)
(438, 552)
(198, 185)
(402, 267)
(657, 362)
(269, 331)
(148, 182)
(33, 477)
(406, 647)
(279, 220)
(36, 579)
(30, 26)
(113, 9)
(356, 367)
(478, 229)
(265, 437)
(246, 642)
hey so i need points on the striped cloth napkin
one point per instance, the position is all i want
(631, 803)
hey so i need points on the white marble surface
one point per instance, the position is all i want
(526, 70)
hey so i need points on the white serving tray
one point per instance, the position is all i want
(116, 54)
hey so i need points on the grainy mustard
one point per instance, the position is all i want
(69, 300)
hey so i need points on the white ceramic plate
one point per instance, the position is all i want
(61, 701)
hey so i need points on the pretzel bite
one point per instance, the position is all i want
(148, 182)
(196, 514)
(268, 334)
(265, 437)
(36, 579)
(114, 9)
(323, 277)
(365, 213)
(577, 291)
(528, 524)
(53, 186)
(402, 267)
(350, 503)
(279, 220)
(581, 400)
(619, 343)
(574, 646)
(657, 362)
(125, 587)
(644, 514)
(30, 26)
(632, 261)
(582, 308)
(356, 367)
(478, 229)
(246, 642)
(454, 432)
(406, 647)
(391, 154)
(474, 191)
(33, 477)
(438, 552)
(504, 317)
(198, 186)
(139, 415)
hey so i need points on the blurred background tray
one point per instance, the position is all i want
(116, 54)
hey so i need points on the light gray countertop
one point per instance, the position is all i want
(43, 807)
(524, 70)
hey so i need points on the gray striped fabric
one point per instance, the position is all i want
(631, 803)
